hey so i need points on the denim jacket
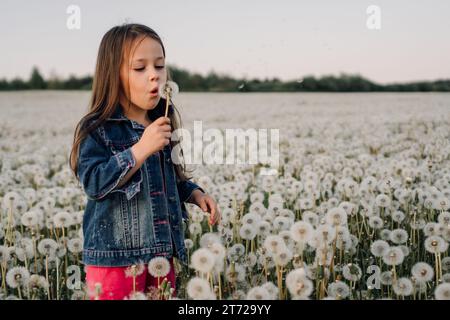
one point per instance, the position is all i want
(144, 217)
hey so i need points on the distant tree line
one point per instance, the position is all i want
(214, 82)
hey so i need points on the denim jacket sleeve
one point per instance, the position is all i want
(185, 189)
(100, 172)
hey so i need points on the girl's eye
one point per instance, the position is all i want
(139, 69)
(160, 67)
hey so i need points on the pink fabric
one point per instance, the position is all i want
(117, 286)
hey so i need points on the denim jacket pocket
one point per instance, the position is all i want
(133, 185)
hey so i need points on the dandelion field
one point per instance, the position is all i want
(360, 209)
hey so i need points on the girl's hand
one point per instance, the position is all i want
(207, 204)
(155, 137)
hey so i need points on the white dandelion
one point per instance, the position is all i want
(188, 243)
(336, 217)
(310, 217)
(403, 287)
(202, 260)
(338, 290)
(283, 257)
(247, 232)
(442, 291)
(301, 231)
(352, 272)
(208, 239)
(399, 236)
(274, 243)
(47, 247)
(29, 219)
(195, 229)
(218, 250)
(299, 286)
(258, 293)
(393, 256)
(383, 201)
(17, 276)
(422, 271)
(134, 270)
(387, 278)
(198, 289)
(435, 244)
(375, 222)
(272, 289)
(159, 267)
(251, 219)
(75, 245)
(263, 228)
(62, 219)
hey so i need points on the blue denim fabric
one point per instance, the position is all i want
(144, 217)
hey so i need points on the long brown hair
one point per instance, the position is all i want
(106, 89)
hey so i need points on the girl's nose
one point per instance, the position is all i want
(153, 76)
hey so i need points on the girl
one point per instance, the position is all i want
(121, 155)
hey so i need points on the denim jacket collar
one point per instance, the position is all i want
(118, 115)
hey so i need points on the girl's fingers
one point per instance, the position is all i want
(215, 215)
(212, 217)
(203, 204)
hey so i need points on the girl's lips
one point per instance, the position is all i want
(154, 92)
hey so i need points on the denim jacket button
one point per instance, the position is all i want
(173, 199)
(168, 160)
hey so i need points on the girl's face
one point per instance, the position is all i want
(142, 72)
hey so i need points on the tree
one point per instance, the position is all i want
(36, 80)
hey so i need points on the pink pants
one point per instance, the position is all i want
(116, 285)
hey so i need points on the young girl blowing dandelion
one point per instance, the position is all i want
(122, 157)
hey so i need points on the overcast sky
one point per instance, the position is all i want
(284, 39)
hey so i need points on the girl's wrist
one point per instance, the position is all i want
(140, 154)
